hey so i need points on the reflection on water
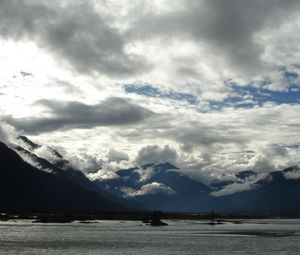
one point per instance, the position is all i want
(180, 237)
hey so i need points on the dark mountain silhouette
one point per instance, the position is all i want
(187, 191)
(273, 193)
(23, 187)
(61, 168)
(188, 194)
(58, 186)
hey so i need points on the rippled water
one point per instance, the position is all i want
(180, 237)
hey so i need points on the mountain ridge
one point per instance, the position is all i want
(22, 186)
(154, 186)
(61, 168)
(252, 192)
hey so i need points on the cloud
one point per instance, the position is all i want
(103, 174)
(69, 115)
(47, 153)
(150, 91)
(75, 33)
(221, 142)
(294, 174)
(208, 40)
(148, 189)
(85, 163)
(227, 30)
(8, 133)
(116, 156)
(145, 174)
(3, 136)
(221, 80)
(156, 154)
(234, 188)
(249, 183)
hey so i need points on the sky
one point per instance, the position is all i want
(210, 86)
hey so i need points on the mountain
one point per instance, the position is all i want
(273, 193)
(24, 187)
(30, 146)
(57, 185)
(62, 169)
(161, 186)
(164, 187)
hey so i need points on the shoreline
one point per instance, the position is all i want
(86, 217)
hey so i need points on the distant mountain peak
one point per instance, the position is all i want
(166, 166)
(159, 166)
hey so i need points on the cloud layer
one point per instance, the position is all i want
(211, 86)
(75, 33)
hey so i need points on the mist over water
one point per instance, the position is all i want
(180, 237)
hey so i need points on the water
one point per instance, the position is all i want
(122, 238)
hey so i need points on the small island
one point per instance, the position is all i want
(155, 219)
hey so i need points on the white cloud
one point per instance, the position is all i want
(234, 188)
(148, 189)
(117, 156)
(8, 133)
(46, 153)
(294, 174)
(104, 173)
(145, 174)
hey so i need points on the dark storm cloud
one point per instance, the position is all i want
(227, 28)
(75, 33)
(69, 115)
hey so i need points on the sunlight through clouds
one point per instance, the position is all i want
(105, 81)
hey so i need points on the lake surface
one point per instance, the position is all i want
(125, 237)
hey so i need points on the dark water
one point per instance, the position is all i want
(180, 237)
